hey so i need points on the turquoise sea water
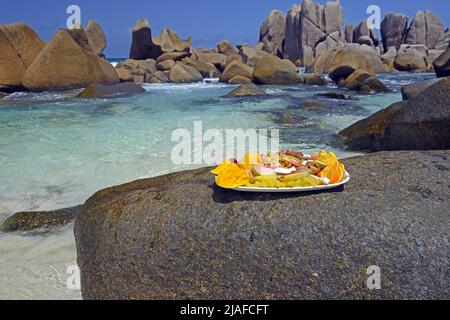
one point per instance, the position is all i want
(56, 151)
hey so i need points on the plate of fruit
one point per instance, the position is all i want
(284, 171)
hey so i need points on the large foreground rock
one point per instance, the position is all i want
(422, 123)
(19, 47)
(64, 64)
(180, 237)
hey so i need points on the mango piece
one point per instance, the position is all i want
(232, 176)
(221, 167)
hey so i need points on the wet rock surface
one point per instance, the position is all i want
(180, 237)
(43, 220)
(247, 90)
(413, 90)
(442, 64)
(113, 91)
(421, 123)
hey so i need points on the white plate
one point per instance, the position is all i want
(298, 189)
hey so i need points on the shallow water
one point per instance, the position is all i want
(56, 151)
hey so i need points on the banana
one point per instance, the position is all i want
(265, 178)
(295, 176)
(290, 181)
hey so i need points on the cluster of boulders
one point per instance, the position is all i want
(310, 32)
(72, 59)
(167, 58)
(310, 35)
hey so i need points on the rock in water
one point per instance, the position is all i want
(240, 80)
(19, 46)
(120, 90)
(422, 123)
(411, 58)
(234, 69)
(314, 79)
(336, 95)
(425, 29)
(413, 90)
(45, 220)
(97, 37)
(345, 62)
(180, 237)
(442, 64)
(363, 82)
(64, 65)
(142, 46)
(273, 32)
(247, 90)
(141, 71)
(181, 73)
(393, 29)
(272, 70)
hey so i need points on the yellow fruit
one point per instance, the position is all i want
(266, 178)
(221, 167)
(232, 176)
(250, 160)
(295, 176)
(334, 171)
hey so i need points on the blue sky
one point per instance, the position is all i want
(207, 21)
